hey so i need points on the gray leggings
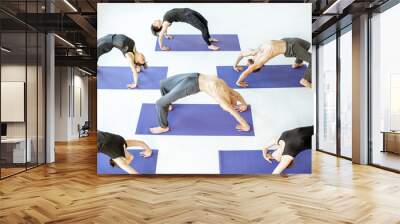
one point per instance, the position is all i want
(172, 89)
(298, 48)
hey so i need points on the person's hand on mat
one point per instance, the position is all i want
(213, 47)
(132, 85)
(241, 107)
(238, 68)
(170, 108)
(242, 84)
(169, 37)
(240, 127)
(146, 153)
(165, 48)
(265, 153)
(137, 69)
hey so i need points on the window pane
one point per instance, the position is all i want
(327, 96)
(385, 86)
(13, 86)
(346, 93)
(31, 98)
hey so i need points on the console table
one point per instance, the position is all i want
(13, 150)
(391, 141)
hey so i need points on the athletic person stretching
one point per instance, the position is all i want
(290, 47)
(115, 146)
(180, 86)
(127, 46)
(288, 146)
(159, 28)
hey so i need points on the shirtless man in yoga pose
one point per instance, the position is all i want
(289, 47)
(288, 146)
(115, 147)
(159, 28)
(127, 46)
(180, 86)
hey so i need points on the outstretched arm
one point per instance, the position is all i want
(243, 125)
(121, 162)
(272, 142)
(238, 98)
(147, 150)
(240, 82)
(283, 164)
(131, 60)
(241, 56)
(161, 36)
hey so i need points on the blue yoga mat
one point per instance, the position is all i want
(119, 77)
(194, 119)
(252, 162)
(195, 42)
(270, 76)
(140, 164)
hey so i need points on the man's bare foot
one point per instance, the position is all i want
(213, 39)
(213, 47)
(295, 65)
(170, 108)
(132, 85)
(158, 130)
(305, 83)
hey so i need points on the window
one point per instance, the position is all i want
(385, 89)
(327, 96)
(346, 93)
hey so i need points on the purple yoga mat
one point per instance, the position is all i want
(194, 119)
(252, 162)
(195, 42)
(112, 77)
(270, 76)
(140, 164)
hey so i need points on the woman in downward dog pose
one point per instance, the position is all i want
(115, 147)
(288, 146)
(127, 46)
(159, 28)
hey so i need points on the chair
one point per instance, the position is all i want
(84, 130)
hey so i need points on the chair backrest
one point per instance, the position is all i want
(86, 125)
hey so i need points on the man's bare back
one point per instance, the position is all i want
(214, 87)
(269, 50)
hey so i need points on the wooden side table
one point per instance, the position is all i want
(391, 141)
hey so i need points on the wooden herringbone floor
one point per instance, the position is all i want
(69, 191)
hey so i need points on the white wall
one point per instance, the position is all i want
(69, 82)
(17, 73)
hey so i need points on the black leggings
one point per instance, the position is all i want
(198, 21)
